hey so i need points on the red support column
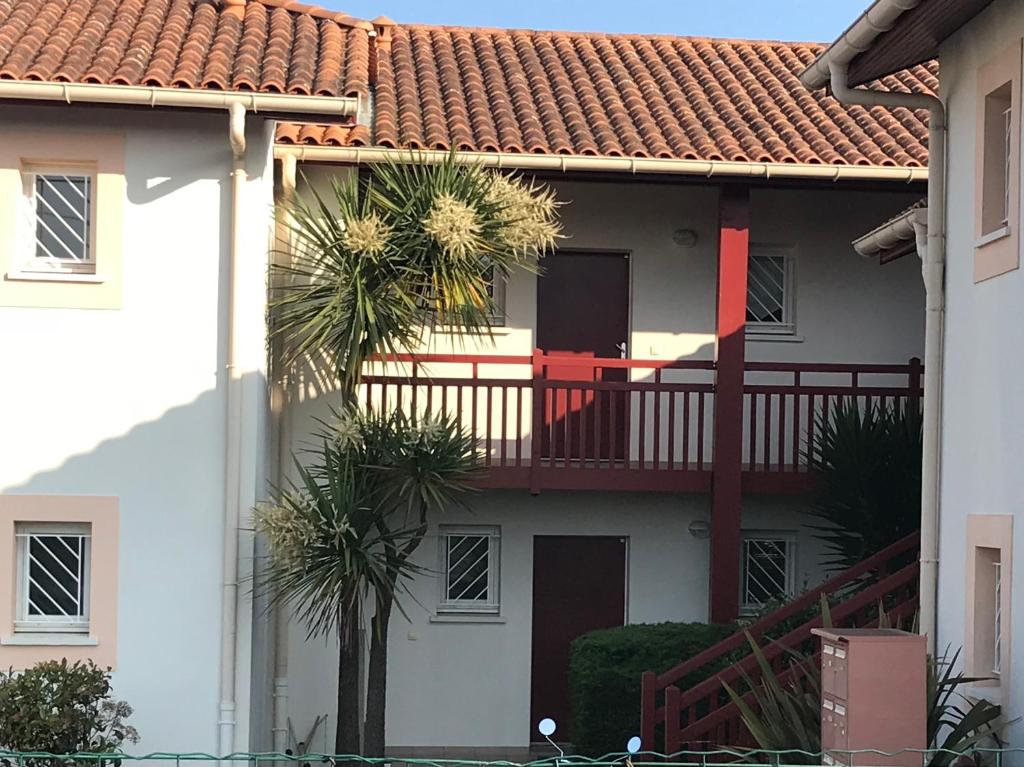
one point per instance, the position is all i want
(731, 314)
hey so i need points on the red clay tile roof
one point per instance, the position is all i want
(273, 46)
(626, 95)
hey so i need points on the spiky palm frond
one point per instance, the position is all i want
(411, 244)
(868, 465)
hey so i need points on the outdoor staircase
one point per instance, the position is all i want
(702, 717)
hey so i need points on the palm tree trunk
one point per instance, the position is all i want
(346, 734)
(377, 680)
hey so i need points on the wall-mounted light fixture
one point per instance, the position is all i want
(684, 238)
(699, 529)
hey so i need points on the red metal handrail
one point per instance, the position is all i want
(652, 683)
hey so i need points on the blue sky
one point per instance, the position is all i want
(804, 20)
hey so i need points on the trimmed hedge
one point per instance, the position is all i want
(604, 677)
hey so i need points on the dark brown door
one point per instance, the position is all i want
(579, 585)
(583, 311)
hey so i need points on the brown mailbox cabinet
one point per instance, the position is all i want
(873, 696)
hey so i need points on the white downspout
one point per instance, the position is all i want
(233, 442)
(933, 261)
(284, 434)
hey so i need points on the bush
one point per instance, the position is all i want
(61, 708)
(604, 677)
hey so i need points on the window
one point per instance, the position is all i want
(997, 165)
(770, 290)
(53, 578)
(996, 173)
(496, 285)
(469, 567)
(988, 599)
(768, 568)
(58, 207)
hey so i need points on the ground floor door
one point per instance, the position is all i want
(579, 585)
(583, 311)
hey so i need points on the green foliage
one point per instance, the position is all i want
(869, 491)
(62, 708)
(342, 531)
(406, 245)
(785, 714)
(604, 676)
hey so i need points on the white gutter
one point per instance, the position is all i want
(233, 441)
(135, 95)
(932, 248)
(899, 231)
(858, 37)
(566, 163)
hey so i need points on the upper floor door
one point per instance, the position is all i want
(583, 311)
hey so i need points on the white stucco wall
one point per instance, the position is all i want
(982, 413)
(131, 403)
(469, 685)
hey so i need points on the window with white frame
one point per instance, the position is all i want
(58, 220)
(469, 569)
(997, 176)
(769, 567)
(770, 290)
(496, 288)
(53, 563)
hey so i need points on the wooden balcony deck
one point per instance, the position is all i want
(547, 422)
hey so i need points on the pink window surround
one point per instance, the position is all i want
(989, 537)
(21, 650)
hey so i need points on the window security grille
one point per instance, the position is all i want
(767, 570)
(470, 570)
(54, 581)
(768, 292)
(997, 620)
(59, 207)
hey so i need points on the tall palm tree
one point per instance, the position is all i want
(406, 246)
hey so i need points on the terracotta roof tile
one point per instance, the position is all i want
(630, 95)
(275, 46)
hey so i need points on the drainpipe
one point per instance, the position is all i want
(233, 442)
(284, 433)
(932, 248)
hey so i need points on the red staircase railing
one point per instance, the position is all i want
(703, 716)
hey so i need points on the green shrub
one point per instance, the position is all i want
(604, 676)
(62, 708)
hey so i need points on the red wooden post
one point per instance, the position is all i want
(731, 313)
(648, 704)
(672, 725)
(538, 396)
(914, 383)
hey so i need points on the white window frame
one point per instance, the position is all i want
(492, 605)
(30, 260)
(790, 539)
(788, 325)
(35, 624)
(997, 619)
(499, 289)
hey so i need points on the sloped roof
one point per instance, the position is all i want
(495, 90)
(271, 46)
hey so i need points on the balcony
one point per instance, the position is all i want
(546, 422)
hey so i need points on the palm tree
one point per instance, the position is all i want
(406, 246)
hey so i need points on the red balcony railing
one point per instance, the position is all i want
(560, 422)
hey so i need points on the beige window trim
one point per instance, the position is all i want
(21, 647)
(996, 174)
(989, 549)
(28, 282)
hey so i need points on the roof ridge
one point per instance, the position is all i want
(293, 6)
(612, 35)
